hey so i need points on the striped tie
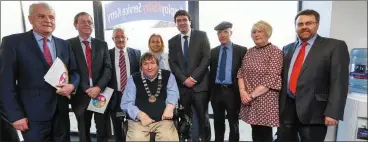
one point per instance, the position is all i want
(46, 52)
(123, 73)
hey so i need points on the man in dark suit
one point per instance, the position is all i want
(189, 58)
(31, 104)
(315, 82)
(93, 60)
(226, 59)
(125, 61)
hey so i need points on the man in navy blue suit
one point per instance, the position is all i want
(32, 105)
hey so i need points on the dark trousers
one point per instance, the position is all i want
(199, 100)
(102, 122)
(55, 130)
(225, 98)
(291, 127)
(261, 133)
(118, 127)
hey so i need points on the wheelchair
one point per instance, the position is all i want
(182, 123)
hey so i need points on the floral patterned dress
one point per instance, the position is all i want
(262, 66)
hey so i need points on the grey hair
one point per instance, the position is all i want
(43, 4)
(118, 29)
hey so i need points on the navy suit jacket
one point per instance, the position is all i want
(134, 58)
(23, 90)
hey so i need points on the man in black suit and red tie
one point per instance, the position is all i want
(125, 61)
(315, 82)
(93, 60)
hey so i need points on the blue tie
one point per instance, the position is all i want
(223, 64)
(186, 51)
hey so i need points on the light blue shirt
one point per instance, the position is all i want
(229, 65)
(128, 99)
(50, 43)
(296, 52)
(161, 62)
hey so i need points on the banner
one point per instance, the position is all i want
(126, 11)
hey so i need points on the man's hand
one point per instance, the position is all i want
(144, 118)
(65, 89)
(330, 121)
(189, 82)
(93, 92)
(21, 124)
(168, 112)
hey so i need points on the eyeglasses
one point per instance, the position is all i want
(306, 23)
(86, 23)
(118, 38)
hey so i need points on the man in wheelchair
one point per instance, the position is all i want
(149, 99)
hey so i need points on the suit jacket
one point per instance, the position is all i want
(238, 53)
(101, 71)
(134, 58)
(23, 90)
(322, 86)
(198, 60)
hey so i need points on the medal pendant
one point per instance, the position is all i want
(152, 99)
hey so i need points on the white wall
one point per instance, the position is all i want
(11, 18)
(344, 20)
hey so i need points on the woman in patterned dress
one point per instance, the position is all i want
(259, 80)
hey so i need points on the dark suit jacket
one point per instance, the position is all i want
(322, 85)
(198, 62)
(134, 57)
(238, 53)
(101, 71)
(23, 90)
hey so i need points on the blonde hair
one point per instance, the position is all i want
(161, 40)
(263, 26)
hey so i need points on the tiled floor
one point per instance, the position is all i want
(244, 129)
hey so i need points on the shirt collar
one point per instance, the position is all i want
(88, 39)
(118, 49)
(39, 37)
(188, 34)
(228, 45)
(310, 41)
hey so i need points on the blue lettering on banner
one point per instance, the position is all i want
(126, 11)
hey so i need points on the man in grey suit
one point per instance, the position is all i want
(315, 82)
(189, 58)
(93, 60)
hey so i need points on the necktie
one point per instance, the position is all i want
(186, 51)
(298, 64)
(123, 73)
(46, 52)
(223, 64)
(88, 57)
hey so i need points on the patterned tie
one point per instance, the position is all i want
(223, 64)
(88, 57)
(186, 51)
(46, 52)
(123, 73)
(298, 64)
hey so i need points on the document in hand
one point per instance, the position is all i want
(100, 103)
(57, 74)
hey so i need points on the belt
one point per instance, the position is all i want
(225, 86)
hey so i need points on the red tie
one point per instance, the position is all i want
(88, 56)
(123, 73)
(46, 52)
(298, 64)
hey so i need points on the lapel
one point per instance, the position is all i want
(112, 56)
(216, 57)
(289, 54)
(57, 48)
(94, 50)
(313, 51)
(180, 51)
(79, 53)
(36, 49)
(193, 39)
(235, 57)
(132, 59)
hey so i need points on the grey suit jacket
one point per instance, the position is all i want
(322, 86)
(101, 71)
(198, 62)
